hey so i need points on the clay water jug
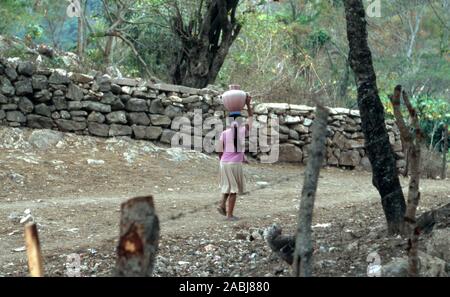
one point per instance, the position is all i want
(234, 99)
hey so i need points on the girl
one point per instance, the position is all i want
(232, 155)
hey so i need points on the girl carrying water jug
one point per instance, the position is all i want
(232, 150)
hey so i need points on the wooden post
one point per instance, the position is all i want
(139, 237)
(303, 246)
(34, 255)
(444, 152)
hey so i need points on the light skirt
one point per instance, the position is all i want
(232, 179)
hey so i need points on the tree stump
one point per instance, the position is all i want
(139, 238)
(35, 263)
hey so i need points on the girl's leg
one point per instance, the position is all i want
(222, 206)
(231, 204)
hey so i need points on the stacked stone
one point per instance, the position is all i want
(107, 107)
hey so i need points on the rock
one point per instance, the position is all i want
(156, 107)
(160, 120)
(289, 153)
(25, 68)
(261, 109)
(365, 164)
(96, 117)
(191, 99)
(11, 73)
(339, 140)
(44, 139)
(120, 130)
(78, 113)
(3, 99)
(74, 93)
(42, 109)
(16, 116)
(25, 105)
(294, 134)
(65, 115)
(139, 118)
(307, 122)
(136, 105)
(43, 96)
(350, 158)
(95, 162)
(148, 133)
(114, 101)
(301, 129)
(98, 129)
(17, 178)
(70, 126)
(439, 244)
(39, 82)
(60, 103)
(116, 117)
(2, 114)
(116, 89)
(429, 267)
(167, 135)
(144, 95)
(292, 120)
(95, 106)
(23, 87)
(6, 87)
(81, 78)
(39, 122)
(125, 82)
(173, 111)
(74, 105)
(10, 106)
(58, 79)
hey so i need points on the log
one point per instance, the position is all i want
(35, 263)
(139, 238)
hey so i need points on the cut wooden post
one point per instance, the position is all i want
(35, 263)
(303, 246)
(444, 152)
(139, 237)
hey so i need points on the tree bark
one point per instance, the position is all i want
(304, 247)
(444, 152)
(203, 50)
(379, 150)
(139, 237)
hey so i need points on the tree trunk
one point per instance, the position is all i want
(379, 150)
(139, 237)
(203, 51)
(304, 247)
(444, 152)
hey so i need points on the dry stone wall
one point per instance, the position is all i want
(109, 107)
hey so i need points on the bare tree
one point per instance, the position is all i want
(379, 150)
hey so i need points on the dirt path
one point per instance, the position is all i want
(77, 204)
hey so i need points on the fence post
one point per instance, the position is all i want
(139, 237)
(35, 263)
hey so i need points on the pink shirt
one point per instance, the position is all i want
(229, 152)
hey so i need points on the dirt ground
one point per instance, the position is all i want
(76, 206)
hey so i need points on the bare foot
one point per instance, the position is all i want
(232, 219)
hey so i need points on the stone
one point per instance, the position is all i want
(292, 120)
(135, 104)
(2, 114)
(144, 95)
(39, 122)
(39, 82)
(148, 133)
(43, 96)
(81, 78)
(365, 164)
(60, 103)
(74, 105)
(284, 129)
(307, 122)
(125, 82)
(98, 129)
(23, 87)
(166, 136)
(75, 93)
(11, 73)
(340, 140)
(278, 108)
(138, 118)
(289, 153)
(294, 135)
(120, 130)
(191, 99)
(439, 244)
(175, 88)
(44, 139)
(173, 111)
(301, 129)
(15, 116)
(333, 161)
(96, 117)
(58, 79)
(261, 109)
(350, 158)
(3, 99)
(96, 106)
(56, 115)
(78, 113)
(429, 267)
(160, 120)
(303, 109)
(114, 101)
(65, 115)
(25, 105)
(400, 163)
(116, 117)
(70, 126)
(10, 106)
(42, 109)
(25, 68)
